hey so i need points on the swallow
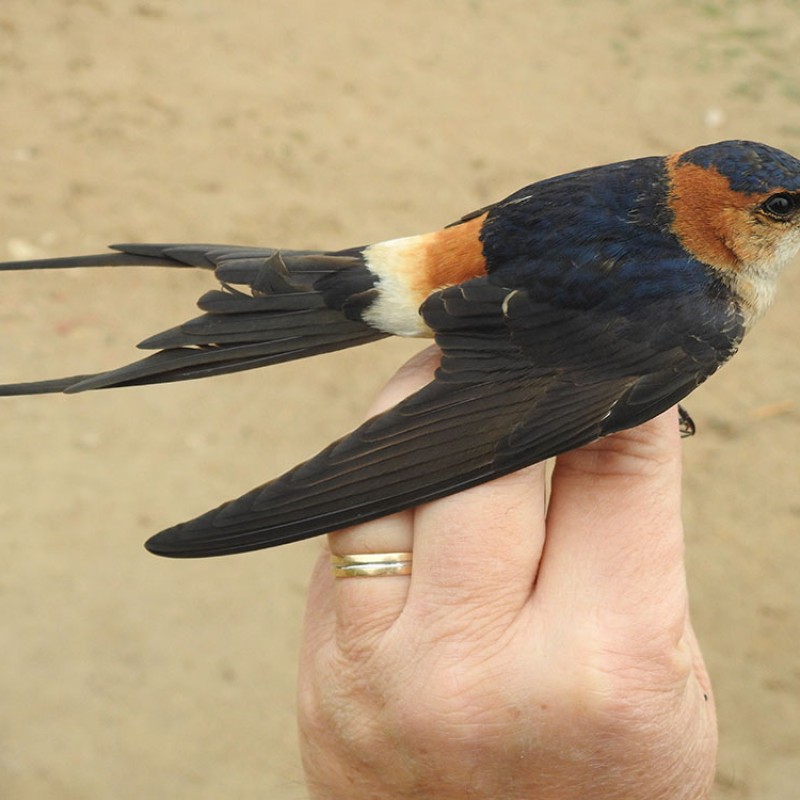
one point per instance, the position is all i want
(576, 307)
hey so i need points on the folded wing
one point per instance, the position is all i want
(519, 382)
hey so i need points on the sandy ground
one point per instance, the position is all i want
(304, 123)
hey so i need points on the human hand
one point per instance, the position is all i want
(538, 650)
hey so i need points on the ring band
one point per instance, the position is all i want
(371, 565)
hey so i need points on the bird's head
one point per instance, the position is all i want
(736, 207)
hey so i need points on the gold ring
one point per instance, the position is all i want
(371, 565)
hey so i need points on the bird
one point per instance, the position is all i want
(578, 306)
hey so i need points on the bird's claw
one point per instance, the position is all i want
(686, 423)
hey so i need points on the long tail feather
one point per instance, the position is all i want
(41, 387)
(283, 316)
(99, 260)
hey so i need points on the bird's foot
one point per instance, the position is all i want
(686, 423)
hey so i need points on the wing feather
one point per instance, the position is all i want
(525, 383)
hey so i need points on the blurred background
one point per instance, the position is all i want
(302, 123)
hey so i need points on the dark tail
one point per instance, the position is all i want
(296, 303)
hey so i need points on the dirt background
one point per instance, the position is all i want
(303, 123)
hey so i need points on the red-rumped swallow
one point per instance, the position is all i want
(578, 306)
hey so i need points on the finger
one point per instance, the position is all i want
(479, 550)
(615, 531)
(368, 605)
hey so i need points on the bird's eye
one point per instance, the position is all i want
(779, 205)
